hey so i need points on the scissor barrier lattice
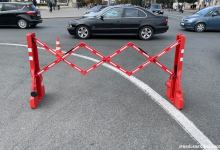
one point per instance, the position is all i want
(174, 90)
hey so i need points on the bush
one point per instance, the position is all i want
(41, 4)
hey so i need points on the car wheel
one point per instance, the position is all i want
(200, 27)
(146, 33)
(83, 32)
(22, 23)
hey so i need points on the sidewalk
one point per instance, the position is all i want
(69, 12)
(191, 10)
(187, 10)
(64, 12)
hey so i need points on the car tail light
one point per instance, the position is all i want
(166, 22)
(31, 12)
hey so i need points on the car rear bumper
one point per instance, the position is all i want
(157, 12)
(161, 29)
(71, 30)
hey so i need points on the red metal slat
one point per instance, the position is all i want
(140, 51)
(166, 50)
(59, 59)
(119, 51)
(73, 65)
(77, 47)
(163, 67)
(93, 67)
(48, 67)
(46, 47)
(93, 51)
(89, 49)
(140, 67)
(148, 62)
(118, 67)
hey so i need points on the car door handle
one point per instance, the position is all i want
(118, 21)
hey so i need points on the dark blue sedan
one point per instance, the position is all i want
(205, 19)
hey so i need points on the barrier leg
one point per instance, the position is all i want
(174, 90)
(37, 89)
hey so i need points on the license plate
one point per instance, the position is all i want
(182, 24)
(38, 14)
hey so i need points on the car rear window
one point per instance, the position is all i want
(141, 14)
(156, 6)
(20, 6)
(130, 12)
(31, 7)
(10, 7)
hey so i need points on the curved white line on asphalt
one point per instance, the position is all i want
(179, 117)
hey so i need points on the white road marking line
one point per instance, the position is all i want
(179, 117)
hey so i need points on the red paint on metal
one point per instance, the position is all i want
(174, 91)
(34, 66)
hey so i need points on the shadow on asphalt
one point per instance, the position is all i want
(48, 100)
(122, 37)
(15, 27)
(9, 27)
(192, 31)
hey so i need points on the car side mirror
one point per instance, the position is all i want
(214, 14)
(101, 17)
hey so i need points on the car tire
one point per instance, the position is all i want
(200, 27)
(146, 33)
(83, 32)
(23, 24)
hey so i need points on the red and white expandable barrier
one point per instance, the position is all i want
(174, 90)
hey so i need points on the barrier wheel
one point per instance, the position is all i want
(200, 27)
(83, 32)
(22, 23)
(146, 33)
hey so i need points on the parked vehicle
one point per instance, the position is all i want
(156, 8)
(205, 19)
(95, 13)
(120, 20)
(21, 14)
(95, 9)
(103, 10)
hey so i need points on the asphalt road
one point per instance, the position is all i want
(104, 110)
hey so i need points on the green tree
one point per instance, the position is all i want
(136, 2)
(164, 1)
